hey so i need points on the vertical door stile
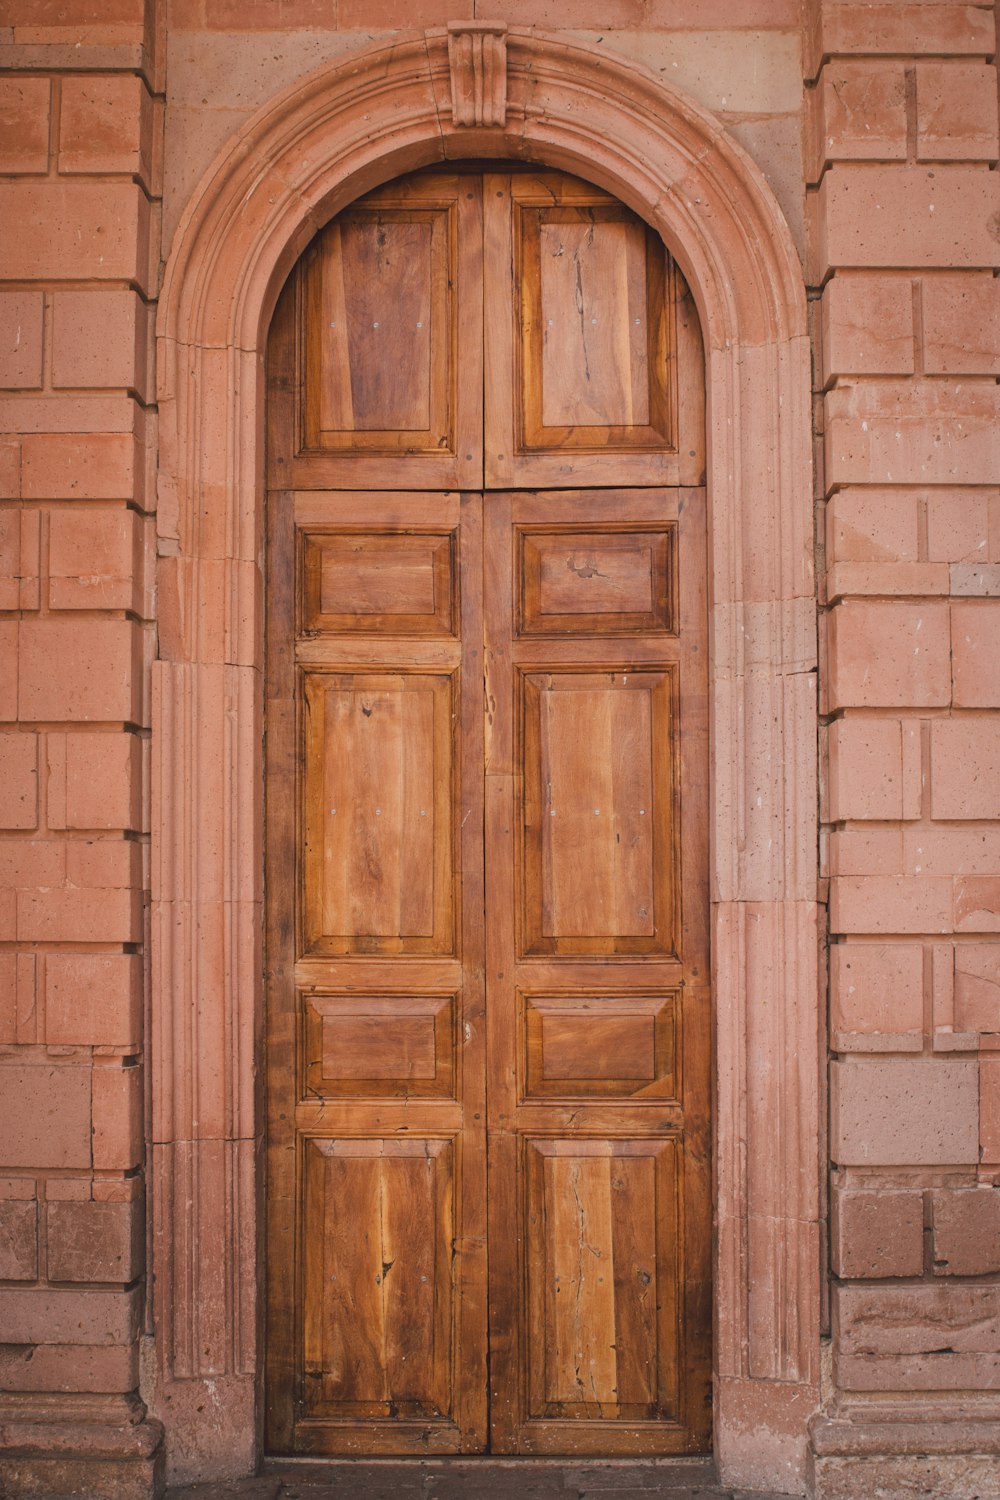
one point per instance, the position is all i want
(505, 1208)
(471, 1259)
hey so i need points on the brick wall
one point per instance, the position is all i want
(79, 120)
(903, 245)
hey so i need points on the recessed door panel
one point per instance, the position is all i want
(378, 1289)
(379, 783)
(597, 825)
(373, 375)
(614, 582)
(599, 1256)
(367, 583)
(594, 340)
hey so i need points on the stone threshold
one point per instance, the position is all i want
(476, 1479)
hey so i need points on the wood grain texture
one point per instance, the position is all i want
(592, 352)
(487, 837)
(376, 315)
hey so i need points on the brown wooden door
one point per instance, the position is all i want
(488, 1178)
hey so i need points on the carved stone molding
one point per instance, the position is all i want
(336, 133)
(477, 58)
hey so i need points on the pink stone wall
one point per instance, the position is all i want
(875, 126)
(903, 248)
(80, 128)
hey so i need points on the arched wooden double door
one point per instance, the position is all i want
(488, 1176)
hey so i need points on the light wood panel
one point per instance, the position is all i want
(593, 350)
(597, 954)
(373, 376)
(376, 1095)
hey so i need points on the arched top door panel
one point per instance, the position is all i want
(510, 329)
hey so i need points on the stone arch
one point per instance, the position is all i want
(334, 135)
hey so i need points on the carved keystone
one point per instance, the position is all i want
(477, 56)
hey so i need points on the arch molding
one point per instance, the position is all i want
(335, 135)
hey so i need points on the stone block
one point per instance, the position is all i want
(895, 26)
(917, 432)
(94, 1241)
(958, 525)
(966, 1231)
(956, 111)
(871, 525)
(24, 124)
(105, 124)
(977, 903)
(888, 904)
(944, 216)
(989, 1111)
(44, 1114)
(74, 466)
(18, 780)
(95, 230)
(45, 1316)
(877, 1234)
(93, 999)
(932, 1337)
(961, 323)
(80, 669)
(965, 768)
(860, 112)
(94, 781)
(977, 987)
(975, 654)
(867, 325)
(77, 1368)
(904, 1112)
(20, 340)
(117, 1106)
(951, 851)
(874, 769)
(98, 340)
(18, 1240)
(866, 851)
(889, 655)
(95, 559)
(876, 989)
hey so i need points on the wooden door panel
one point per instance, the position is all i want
(379, 790)
(376, 1098)
(614, 582)
(582, 1046)
(601, 1271)
(597, 780)
(597, 817)
(378, 1292)
(365, 583)
(373, 1046)
(592, 343)
(369, 330)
